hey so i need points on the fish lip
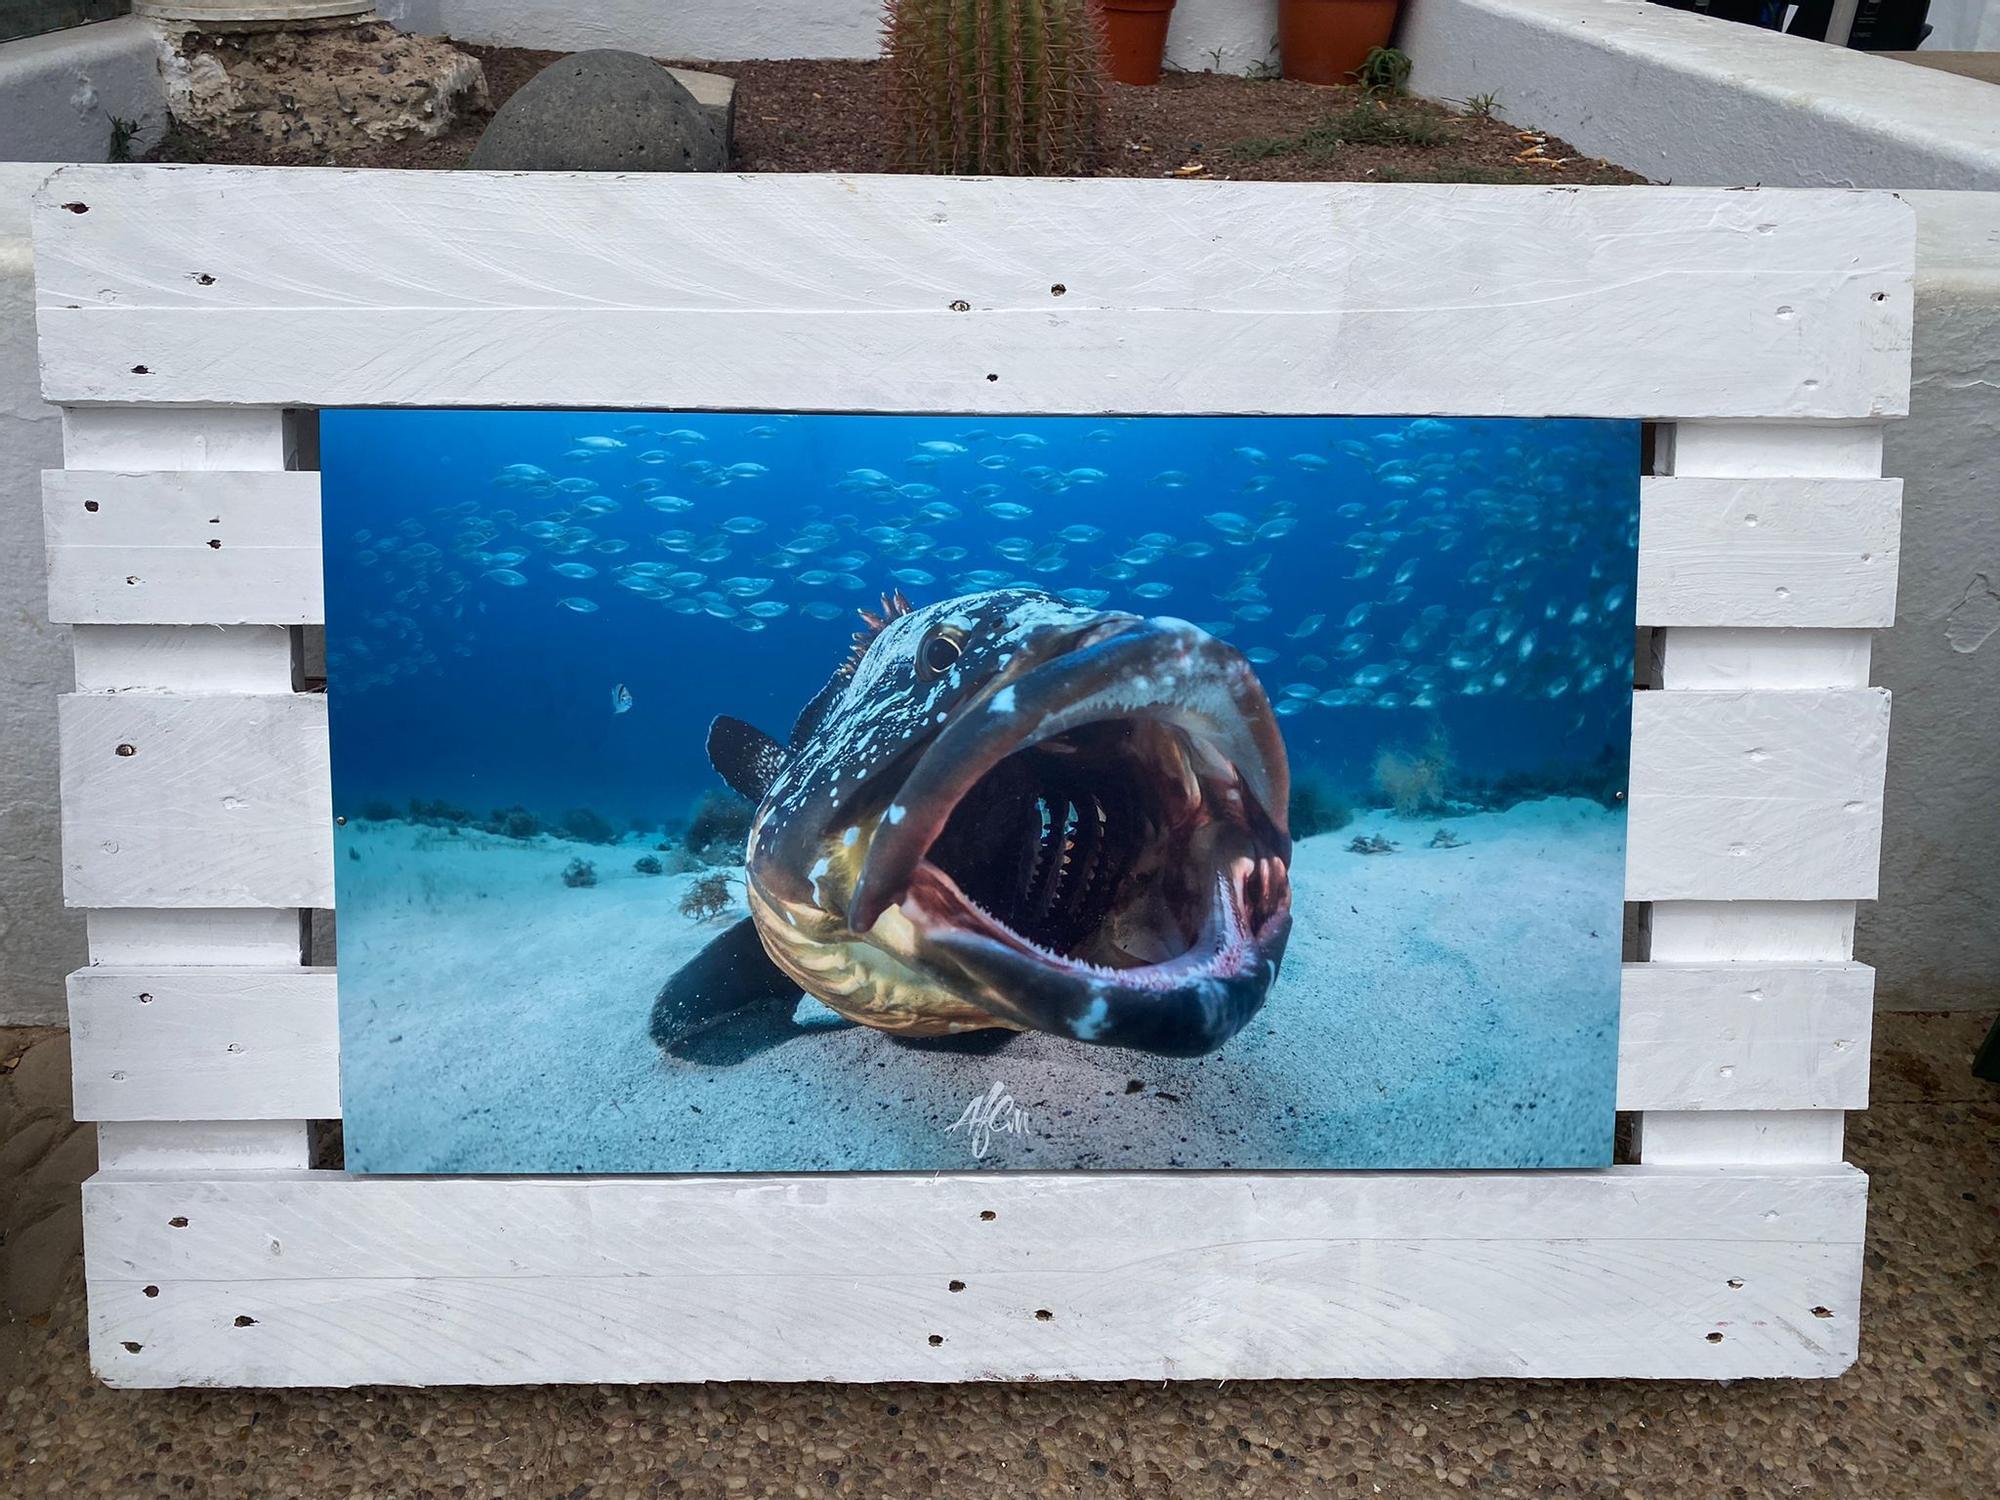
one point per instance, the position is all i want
(1120, 668)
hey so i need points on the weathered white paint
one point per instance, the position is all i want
(174, 658)
(205, 1146)
(1753, 812)
(1768, 552)
(1685, 99)
(183, 548)
(190, 1042)
(1227, 36)
(61, 91)
(135, 936)
(174, 799)
(1242, 296)
(1269, 1275)
(1705, 1138)
(1726, 657)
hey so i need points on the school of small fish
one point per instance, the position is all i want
(1531, 544)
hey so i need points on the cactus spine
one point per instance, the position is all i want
(1008, 87)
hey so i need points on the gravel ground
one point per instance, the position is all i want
(1917, 1417)
(821, 116)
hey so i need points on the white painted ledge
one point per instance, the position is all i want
(1692, 101)
(60, 92)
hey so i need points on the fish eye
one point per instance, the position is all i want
(940, 651)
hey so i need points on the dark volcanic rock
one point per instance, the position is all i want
(602, 112)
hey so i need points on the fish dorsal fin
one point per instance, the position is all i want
(894, 606)
(744, 756)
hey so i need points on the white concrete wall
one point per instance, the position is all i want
(1934, 937)
(1229, 36)
(59, 93)
(1964, 26)
(39, 941)
(1686, 99)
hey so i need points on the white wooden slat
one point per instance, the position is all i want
(1756, 795)
(230, 285)
(1729, 658)
(179, 658)
(1734, 1036)
(1734, 795)
(1673, 1138)
(151, 438)
(222, 1043)
(1768, 552)
(1781, 450)
(189, 800)
(202, 1146)
(1269, 1275)
(1773, 932)
(183, 548)
(204, 1044)
(135, 936)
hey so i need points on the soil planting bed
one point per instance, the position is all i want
(820, 116)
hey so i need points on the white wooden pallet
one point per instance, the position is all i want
(191, 321)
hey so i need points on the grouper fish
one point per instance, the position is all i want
(1009, 811)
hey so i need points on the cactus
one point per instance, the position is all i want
(1008, 87)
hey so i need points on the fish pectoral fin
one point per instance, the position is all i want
(744, 756)
(728, 1003)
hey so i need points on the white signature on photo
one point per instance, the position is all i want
(989, 1114)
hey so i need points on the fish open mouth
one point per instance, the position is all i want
(1101, 843)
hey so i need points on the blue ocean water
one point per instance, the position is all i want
(546, 609)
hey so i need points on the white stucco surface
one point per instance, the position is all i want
(59, 93)
(39, 941)
(1933, 936)
(1690, 100)
(1228, 36)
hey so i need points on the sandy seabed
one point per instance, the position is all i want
(1437, 1008)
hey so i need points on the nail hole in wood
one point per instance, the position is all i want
(77, 208)
(954, 1286)
(961, 305)
(992, 377)
(1878, 296)
(128, 750)
(1736, 1283)
(1716, 1337)
(988, 1215)
(202, 278)
(145, 997)
(244, 1320)
(140, 370)
(152, 1291)
(215, 542)
(178, 1221)
(131, 1348)
(90, 505)
(1042, 1315)
(936, 1339)
(1057, 290)
(1822, 1312)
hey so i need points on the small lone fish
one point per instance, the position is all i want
(1006, 810)
(621, 699)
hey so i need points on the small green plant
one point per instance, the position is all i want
(123, 133)
(579, 873)
(1262, 148)
(1375, 124)
(1481, 106)
(1012, 87)
(1386, 70)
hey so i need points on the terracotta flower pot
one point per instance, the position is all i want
(1135, 38)
(1324, 41)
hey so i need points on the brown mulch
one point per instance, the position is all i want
(825, 116)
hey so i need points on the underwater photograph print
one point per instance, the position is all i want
(766, 792)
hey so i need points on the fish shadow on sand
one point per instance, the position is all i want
(729, 1005)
